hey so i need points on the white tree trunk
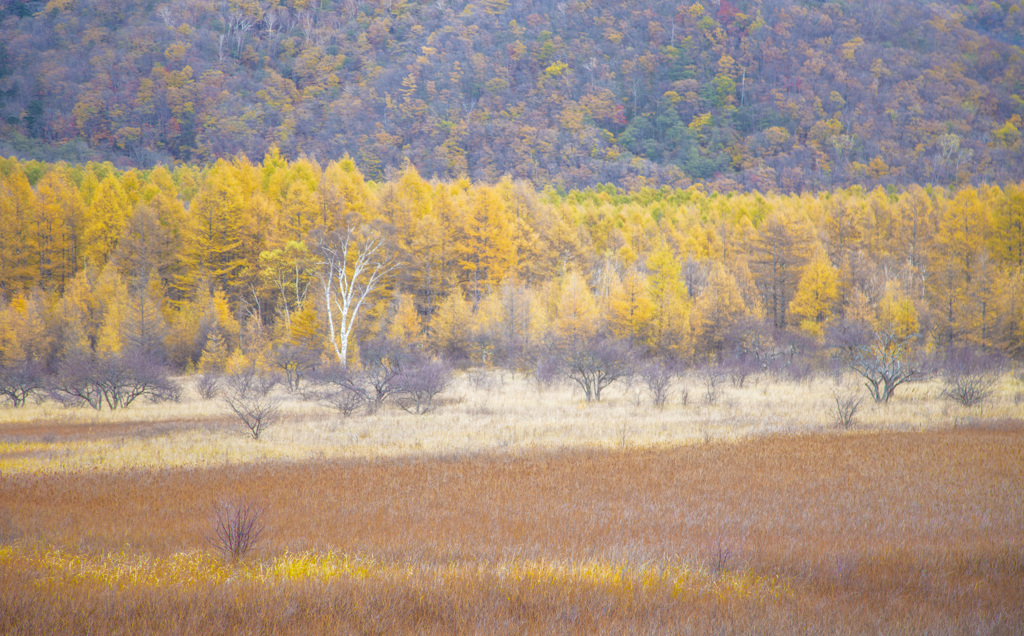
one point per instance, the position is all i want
(350, 270)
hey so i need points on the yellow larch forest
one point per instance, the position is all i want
(196, 264)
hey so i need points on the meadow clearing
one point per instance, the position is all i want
(514, 507)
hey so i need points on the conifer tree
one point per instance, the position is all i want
(718, 308)
(449, 326)
(19, 241)
(60, 211)
(629, 306)
(668, 331)
(105, 221)
(816, 295)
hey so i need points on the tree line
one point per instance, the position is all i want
(303, 265)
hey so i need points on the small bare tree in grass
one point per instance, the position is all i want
(969, 376)
(20, 379)
(237, 527)
(420, 382)
(884, 364)
(249, 395)
(208, 385)
(740, 367)
(592, 364)
(295, 361)
(384, 363)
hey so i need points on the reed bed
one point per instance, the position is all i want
(844, 532)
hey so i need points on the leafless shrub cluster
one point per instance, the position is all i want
(389, 372)
(295, 361)
(711, 376)
(657, 376)
(592, 365)
(208, 385)
(115, 381)
(481, 380)
(420, 383)
(740, 368)
(335, 386)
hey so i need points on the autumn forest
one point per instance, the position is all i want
(236, 255)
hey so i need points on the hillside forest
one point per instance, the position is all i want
(783, 95)
(212, 267)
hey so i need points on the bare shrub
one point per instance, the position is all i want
(969, 376)
(482, 379)
(740, 368)
(115, 381)
(295, 361)
(335, 386)
(383, 363)
(208, 385)
(237, 527)
(21, 379)
(720, 556)
(969, 390)
(547, 372)
(711, 376)
(657, 376)
(420, 382)
(846, 405)
(249, 395)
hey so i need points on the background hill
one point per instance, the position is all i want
(771, 94)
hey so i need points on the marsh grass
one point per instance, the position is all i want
(879, 531)
(512, 508)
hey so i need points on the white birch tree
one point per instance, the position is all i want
(350, 268)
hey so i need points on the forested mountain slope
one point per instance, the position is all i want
(772, 94)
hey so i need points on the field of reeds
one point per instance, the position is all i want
(515, 507)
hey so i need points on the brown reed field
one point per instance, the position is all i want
(515, 508)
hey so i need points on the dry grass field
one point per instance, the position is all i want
(514, 508)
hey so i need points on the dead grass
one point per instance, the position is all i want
(888, 531)
(510, 413)
(518, 509)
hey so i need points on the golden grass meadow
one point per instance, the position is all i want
(517, 508)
